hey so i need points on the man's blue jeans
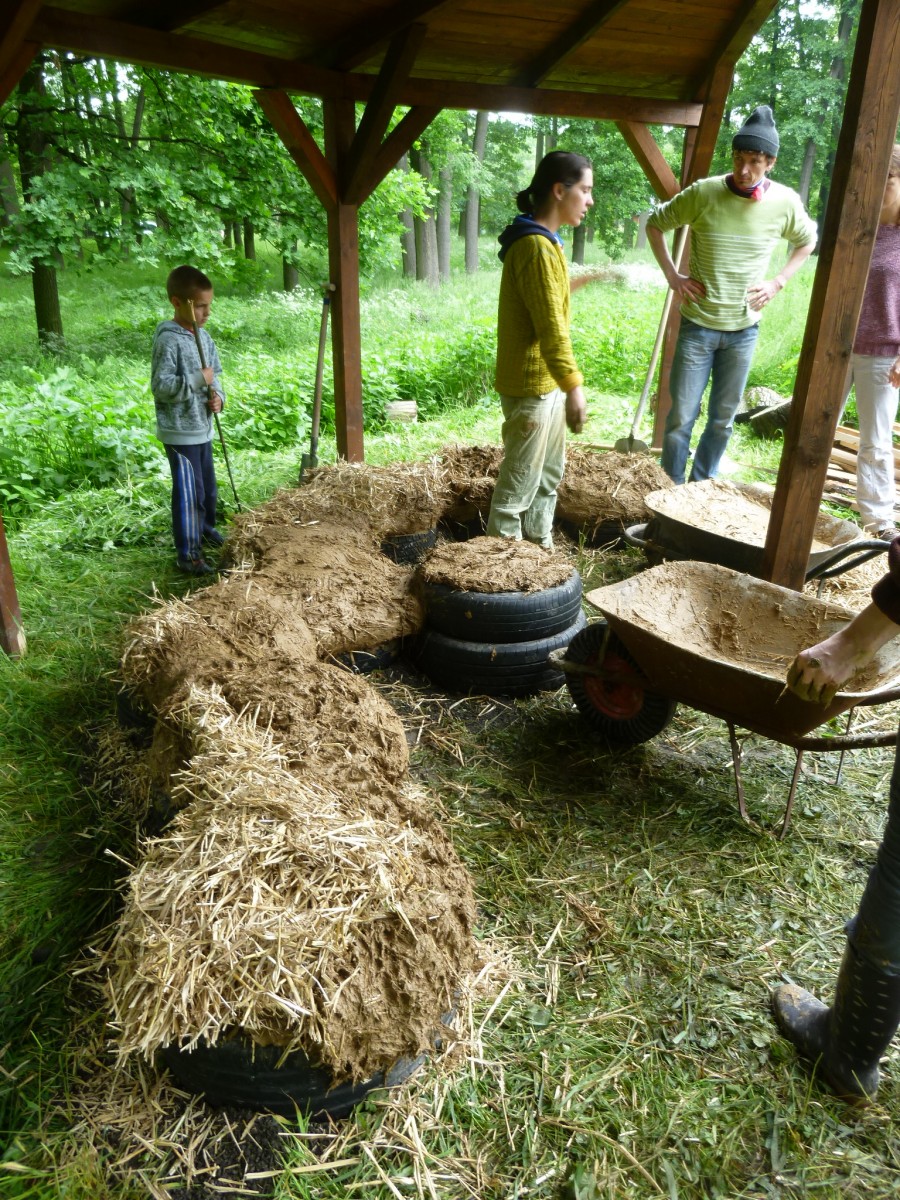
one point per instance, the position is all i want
(726, 356)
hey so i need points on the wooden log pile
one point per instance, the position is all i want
(840, 480)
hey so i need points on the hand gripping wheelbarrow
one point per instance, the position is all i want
(721, 641)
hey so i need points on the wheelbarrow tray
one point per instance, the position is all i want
(722, 641)
(721, 522)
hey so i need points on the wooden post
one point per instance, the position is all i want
(851, 222)
(12, 636)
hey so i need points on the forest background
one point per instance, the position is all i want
(112, 174)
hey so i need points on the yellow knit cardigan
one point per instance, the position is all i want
(534, 350)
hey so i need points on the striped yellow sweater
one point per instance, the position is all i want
(732, 240)
(534, 350)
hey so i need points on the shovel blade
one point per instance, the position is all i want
(631, 445)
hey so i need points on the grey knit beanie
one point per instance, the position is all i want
(758, 133)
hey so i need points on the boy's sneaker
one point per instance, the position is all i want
(212, 537)
(195, 566)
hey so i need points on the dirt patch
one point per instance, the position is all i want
(598, 488)
(490, 564)
(288, 910)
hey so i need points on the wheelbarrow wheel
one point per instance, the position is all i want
(624, 712)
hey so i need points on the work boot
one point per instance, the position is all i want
(848, 1039)
(194, 566)
(213, 537)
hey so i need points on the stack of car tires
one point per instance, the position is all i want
(498, 643)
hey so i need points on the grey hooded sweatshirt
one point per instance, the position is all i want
(179, 389)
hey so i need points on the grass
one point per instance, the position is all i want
(618, 1042)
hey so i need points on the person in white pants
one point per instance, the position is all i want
(875, 368)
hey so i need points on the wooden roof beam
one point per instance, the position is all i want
(365, 38)
(395, 145)
(643, 146)
(300, 144)
(177, 52)
(373, 125)
(845, 249)
(167, 16)
(16, 53)
(595, 15)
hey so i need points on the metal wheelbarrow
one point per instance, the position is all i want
(721, 522)
(720, 641)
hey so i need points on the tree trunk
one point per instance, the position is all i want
(237, 234)
(538, 148)
(473, 198)
(227, 239)
(9, 197)
(445, 200)
(290, 276)
(642, 230)
(32, 148)
(578, 240)
(408, 236)
(249, 239)
(425, 229)
(806, 170)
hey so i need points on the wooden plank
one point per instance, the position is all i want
(366, 35)
(12, 635)
(857, 189)
(16, 68)
(16, 20)
(168, 15)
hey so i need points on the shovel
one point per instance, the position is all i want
(631, 444)
(308, 461)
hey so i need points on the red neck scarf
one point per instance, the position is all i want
(754, 193)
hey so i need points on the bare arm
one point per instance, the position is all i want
(818, 673)
(760, 294)
(684, 286)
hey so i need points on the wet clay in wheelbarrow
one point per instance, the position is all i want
(722, 642)
(726, 523)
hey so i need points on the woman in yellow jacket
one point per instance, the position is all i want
(537, 377)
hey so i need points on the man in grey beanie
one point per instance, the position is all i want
(736, 221)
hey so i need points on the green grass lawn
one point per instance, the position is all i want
(618, 1042)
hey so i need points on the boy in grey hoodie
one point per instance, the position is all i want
(186, 394)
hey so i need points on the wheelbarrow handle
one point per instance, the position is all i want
(634, 535)
(862, 551)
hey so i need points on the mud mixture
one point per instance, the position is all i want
(493, 564)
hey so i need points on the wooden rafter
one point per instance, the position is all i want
(16, 20)
(643, 146)
(167, 15)
(176, 52)
(300, 144)
(595, 15)
(395, 145)
(364, 38)
(380, 108)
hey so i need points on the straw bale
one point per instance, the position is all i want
(493, 564)
(351, 595)
(329, 723)
(601, 487)
(289, 911)
(214, 632)
(471, 473)
(383, 501)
